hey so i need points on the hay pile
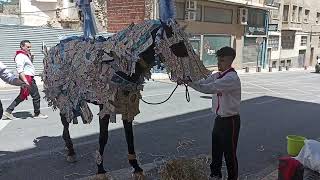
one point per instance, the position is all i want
(185, 169)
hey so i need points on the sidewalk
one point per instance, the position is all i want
(164, 76)
(125, 174)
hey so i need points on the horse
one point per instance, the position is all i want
(110, 72)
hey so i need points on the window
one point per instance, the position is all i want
(304, 40)
(294, 14)
(318, 18)
(275, 13)
(211, 44)
(274, 64)
(319, 42)
(289, 63)
(288, 38)
(256, 18)
(217, 15)
(300, 15)
(283, 63)
(181, 11)
(273, 42)
(285, 13)
(1, 8)
(306, 15)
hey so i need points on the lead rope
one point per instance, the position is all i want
(187, 96)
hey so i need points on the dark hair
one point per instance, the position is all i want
(22, 43)
(226, 51)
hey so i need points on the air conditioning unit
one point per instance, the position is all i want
(191, 5)
(191, 15)
(243, 16)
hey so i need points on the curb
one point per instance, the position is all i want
(125, 173)
(165, 76)
(271, 176)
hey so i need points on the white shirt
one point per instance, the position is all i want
(24, 64)
(226, 92)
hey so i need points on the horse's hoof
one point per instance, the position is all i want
(102, 177)
(138, 176)
(72, 159)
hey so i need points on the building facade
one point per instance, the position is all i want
(48, 13)
(299, 39)
(241, 24)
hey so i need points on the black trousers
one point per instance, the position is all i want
(225, 135)
(1, 109)
(34, 92)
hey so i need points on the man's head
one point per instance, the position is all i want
(25, 45)
(225, 57)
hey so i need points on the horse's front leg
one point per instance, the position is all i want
(103, 140)
(138, 171)
(71, 155)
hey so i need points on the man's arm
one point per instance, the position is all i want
(210, 78)
(8, 77)
(228, 83)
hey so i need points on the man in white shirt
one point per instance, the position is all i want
(225, 86)
(26, 70)
(10, 78)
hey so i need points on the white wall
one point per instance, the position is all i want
(35, 13)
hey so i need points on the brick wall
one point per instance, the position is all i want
(121, 13)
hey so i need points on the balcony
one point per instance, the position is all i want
(291, 26)
(259, 4)
(47, 1)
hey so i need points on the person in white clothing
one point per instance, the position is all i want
(26, 70)
(10, 78)
(225, 86)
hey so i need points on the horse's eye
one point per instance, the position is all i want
(179, 49)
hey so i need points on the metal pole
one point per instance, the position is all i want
(20, 22)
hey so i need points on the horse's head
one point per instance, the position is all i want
(173, 47)
(168, 44)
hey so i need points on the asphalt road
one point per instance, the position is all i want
(274, 105)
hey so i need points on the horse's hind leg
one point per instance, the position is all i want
(138, 171)
(71, 155)
(103, 140)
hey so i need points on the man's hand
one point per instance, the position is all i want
(184, 81)
(25, 85)
(22, 84)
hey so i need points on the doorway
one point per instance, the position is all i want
(311, 57)
(301, 58)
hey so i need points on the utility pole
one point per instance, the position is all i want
(19, 13)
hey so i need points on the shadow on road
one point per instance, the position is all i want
(266, 121)
(22, 115)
